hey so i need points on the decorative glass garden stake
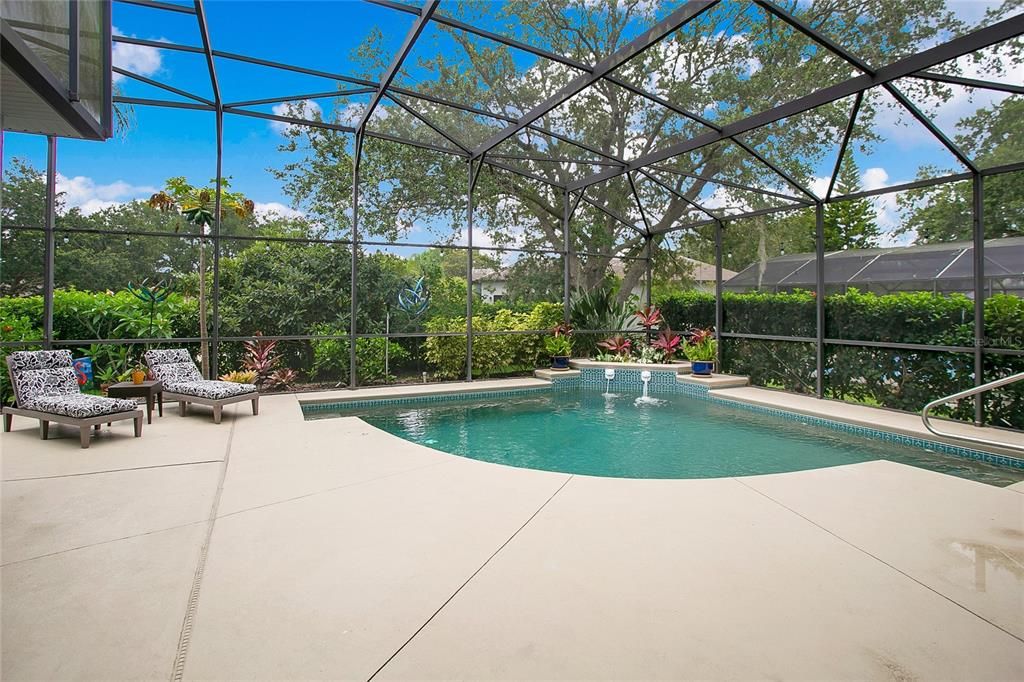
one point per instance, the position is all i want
(151, 294)
(413, 300)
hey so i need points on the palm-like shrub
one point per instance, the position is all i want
(598, 309)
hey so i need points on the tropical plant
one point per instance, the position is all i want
(260, 358)
(558, 346)
(598, 309)
(111, 361)
(281, 379)
(243, 376)
(108, 375)
(648, 355)
(198, 206)
(619, 345)
(668, 342)
(701, 346)
(648, 317)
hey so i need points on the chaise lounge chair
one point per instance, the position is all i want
(182, 382)
(45, 388)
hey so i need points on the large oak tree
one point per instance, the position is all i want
(733, 60)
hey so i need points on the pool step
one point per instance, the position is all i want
(715, 380)
(553, 374)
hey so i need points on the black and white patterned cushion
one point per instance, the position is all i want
(210, 389)
(80, 405)
(36, 383)
(44, 381)
(176, 373)
(39, 359)
(167, 355)
(179, 374)
(24, 361)
(172, 366)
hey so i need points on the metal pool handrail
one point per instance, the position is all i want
(998, 383)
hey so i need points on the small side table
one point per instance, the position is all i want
(150, 390)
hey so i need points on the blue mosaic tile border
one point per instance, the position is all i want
(567, 383)
(876, 434)
(629, 379)
(345, 405)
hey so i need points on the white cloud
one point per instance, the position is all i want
(304, 109)
(271, 209)
(352, 113)
(886, 207)
(898, 127)
(874, 178)
(89, 197)
(140, 59)
(819, 186)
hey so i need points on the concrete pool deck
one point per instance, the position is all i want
(270, 547)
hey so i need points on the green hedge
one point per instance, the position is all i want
(331, 357)
(899, 379)
(917, 317)
(104, 315)
(96, 315)
(492, 355)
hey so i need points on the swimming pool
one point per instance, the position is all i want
(586, 432)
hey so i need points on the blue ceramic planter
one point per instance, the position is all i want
(702, 368)
(560, 362)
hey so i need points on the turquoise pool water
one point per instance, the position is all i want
(585, 432)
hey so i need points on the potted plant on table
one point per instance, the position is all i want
(701, 349)
(138, 373)
(559, 347)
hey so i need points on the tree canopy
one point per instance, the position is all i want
(733, 60)
(994, 136)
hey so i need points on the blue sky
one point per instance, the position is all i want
(169, 141)
(318, 35)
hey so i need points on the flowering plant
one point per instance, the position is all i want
(668, 342)
(701, 346)
(619, 345)
(649, 317)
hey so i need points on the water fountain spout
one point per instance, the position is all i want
(609, 374)
(645, 377)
